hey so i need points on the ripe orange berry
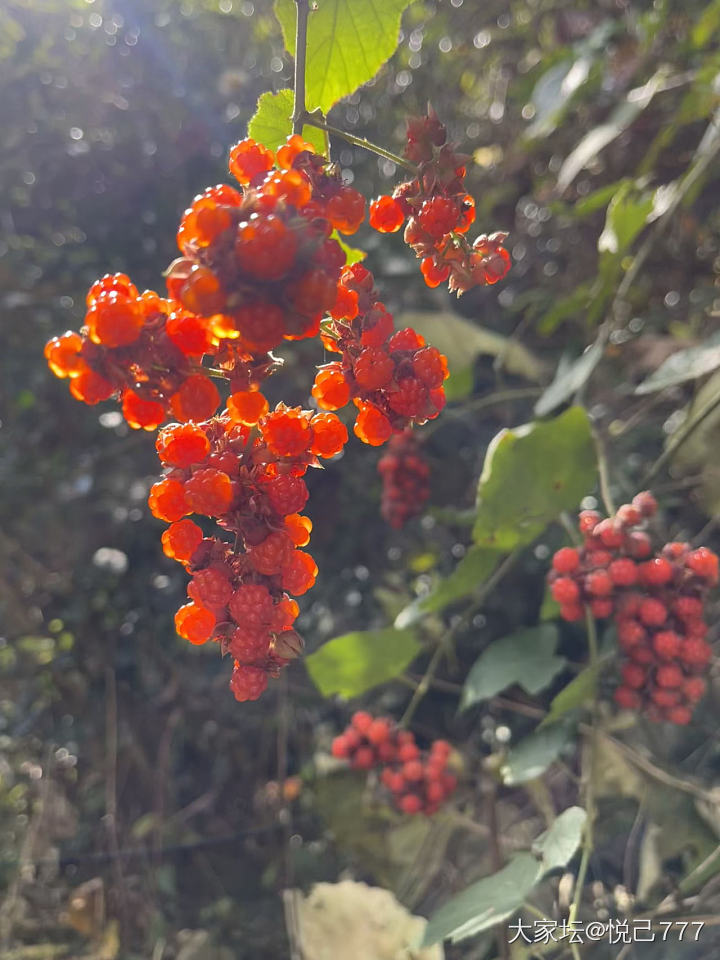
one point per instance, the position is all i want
(329, 435)
(114, 320)
(189, 332)
(248, 160)
(273, 554)
(294, 146)
(209, 492)
(298, 528)
(374, 368)
(247, 407)
(315, 292)
(331, 389)
(261, 325)
(196, 399)
(90, 387)
(167, 500)
(386, 215)
(265, 247)
(287, 432)
(371, 425)
(194, 623)
(181, 445)
(200, 292)
(346, 210)
(299, 573)
(63, 354)
(112, 283)
(247, 682)
(141, 414)
(181, 540)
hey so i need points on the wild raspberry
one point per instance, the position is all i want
(430, 366)
(298, 529)
(118, 283)
(181, 445)
(248, 160)
(363, 759)
(299, 573)
(209, 492)
(688, 608)
(393, 780)
(438, 216)
(210, 587)
(190, 334)
(656, 572)
(346, 304)
(197, 399)
(361, 721)
(331, 389)
(287, 494)
(374, 368)
(627, 699)
(704, 563)
(633, 676)
(653, 612)
(609, 533)
(630, 633)
(628, 516)
(379, 731)
(141, 414)
(623, 572)
(566, 560)
(181, 540)
(273, 554)
(287, 432)
(669, 676)
(601, 609)
(406, 339)
(599, 584)
(697, 629)
(680, 716)
(371, 425)
(565, 591)
(346, 210)
(265, 247)
(63, 354)
(641, 653)
(408, 398)
(249, 645)
(665, 697)
(313, 293)
(410, 803)
(252, 605)
(667, 644)
(598, 558)
(434, 274)
(194, 623)
(329, 435)
(645, 503)
(199, 291)
(167, 500)
(572, 612)
(114, 320)
(340, 748)
(588, 520)
(248, 683)
(292, 186)
(377, 327)
(386, 215)
(694, 689)
(90, 387)
(638, 545)
(695, 653)
(247, 407)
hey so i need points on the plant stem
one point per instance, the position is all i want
(590, 756)
(476, 603)
(312, 121)
(303, 9)
(682, 434)
(604, 474)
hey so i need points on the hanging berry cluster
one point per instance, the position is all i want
(657, 602)
(419, 782)
(259, 266)
(439, 212)
(405, 476)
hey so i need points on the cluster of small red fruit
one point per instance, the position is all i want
(439, 211)
(418, 781)
(657, 602)
(406, 479)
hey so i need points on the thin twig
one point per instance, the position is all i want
(303, 9)
(312, 121)
(604, 472)
(679, 437)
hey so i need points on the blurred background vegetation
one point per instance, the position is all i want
(138, 801)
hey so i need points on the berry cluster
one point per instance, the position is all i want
(244, 469)
(259, 266)
(418, 781)
(439, 212)
(405, 475)
(656, 599)
(393, 377)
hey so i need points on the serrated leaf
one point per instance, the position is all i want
(526, 657)
(569, 378)
(531, 757)
(558, 845)
(531, 474)
(347, 43)
(688, 364)
(578, 693)
(486, 903)
(271, 124)
(356, 662)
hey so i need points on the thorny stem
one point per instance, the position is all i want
(589, 778)
(312, 121)
(444, 643)
(303, 9)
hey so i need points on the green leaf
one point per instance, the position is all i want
(485, 903)
(558, 845)
(550, 608)
(531, 474)
(271, 123)
(569, 378)
(356, 662)
(526, 657)
(578, 693)
(533, 755)
(472, 571)
(627, 214)
(707, 26)
(352, 254)
(684, 365)
(462, 341)
(347, 43)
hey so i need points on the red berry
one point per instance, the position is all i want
(181, 540)
(438, 216)
(653, 612)
(623, 572)
(669, 676)
(209, 492)
(565, 591)
(571, 612)
(633, 676)
(410, 803)
(601, 608)
(248, 683)
(386, 215)
(194, 623)
(695, 653)
(704, 563)
(666, 644)
(610, 533)
(627, 699)
(656, 572)
(680, 716)
(588, 520)
(645, 503)
(638, 545)
(630, 633)
(628, 516)
(599, 584)
(566, 560)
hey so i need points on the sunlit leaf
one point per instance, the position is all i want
(271, 124)
(356, 662)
